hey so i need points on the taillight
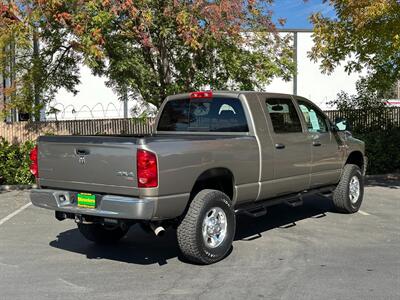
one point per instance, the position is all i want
(147, 173)
(34, 162)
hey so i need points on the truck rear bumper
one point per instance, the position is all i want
(109, 206)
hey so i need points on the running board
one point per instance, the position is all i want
(259, 208)
(295, 202)
(255, 212)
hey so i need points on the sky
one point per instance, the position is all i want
(297, 12)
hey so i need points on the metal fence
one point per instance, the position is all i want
(363, 120)
(24, 131)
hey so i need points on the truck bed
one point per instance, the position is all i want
(107, 164)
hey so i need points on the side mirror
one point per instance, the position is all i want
(342, 124)
(334, 128)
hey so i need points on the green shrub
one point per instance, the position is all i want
(14, 163)
(368, 114)
(382, 148)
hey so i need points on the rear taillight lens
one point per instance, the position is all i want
(147, 173)
(34, 162)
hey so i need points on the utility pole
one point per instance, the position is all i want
(295, 62)
(125, 103)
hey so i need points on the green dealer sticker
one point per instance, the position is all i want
(86, 200)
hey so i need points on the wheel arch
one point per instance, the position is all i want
(220, 178)
(356, 158)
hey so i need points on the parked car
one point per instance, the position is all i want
(213, 155)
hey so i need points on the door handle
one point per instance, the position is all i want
(316, 143)
(82, 152)
(279, 146)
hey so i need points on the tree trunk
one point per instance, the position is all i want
(36, 79)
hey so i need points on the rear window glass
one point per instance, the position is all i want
(203, 115)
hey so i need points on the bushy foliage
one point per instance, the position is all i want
(359, 108)
(15, 162)
(40, 59)
(382, 149)
(366, 111)
(363, 34)
(147, 49)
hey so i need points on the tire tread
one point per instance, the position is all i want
(186, 232)
(340, 194)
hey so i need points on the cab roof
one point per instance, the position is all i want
(234, 94)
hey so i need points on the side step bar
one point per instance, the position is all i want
(259, 208)
(255, 212)
(295, 202)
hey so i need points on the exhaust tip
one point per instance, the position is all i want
(158, 230)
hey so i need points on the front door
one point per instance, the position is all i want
(292, 151)
(327, 154)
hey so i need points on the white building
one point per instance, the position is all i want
(95, 100)
(310, 82)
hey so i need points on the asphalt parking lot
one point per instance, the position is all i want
(307, 252)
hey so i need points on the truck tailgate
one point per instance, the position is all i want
(88, 163)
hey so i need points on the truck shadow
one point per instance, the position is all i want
(139, 247)
(282, 216)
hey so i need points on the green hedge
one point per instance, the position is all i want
(15, 162)
(382, 148)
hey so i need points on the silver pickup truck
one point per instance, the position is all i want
(212, 156)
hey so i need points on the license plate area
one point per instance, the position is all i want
(86, 200)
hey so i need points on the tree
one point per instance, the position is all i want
(365, 33)
(39, 59)
(359, 108)
(149, 49)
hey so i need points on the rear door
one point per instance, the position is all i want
(326, 147)
(292, 151)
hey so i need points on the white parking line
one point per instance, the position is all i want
(2, 221)
(363, 213)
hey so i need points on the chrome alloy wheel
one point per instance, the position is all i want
(214, 227)
(354, 189)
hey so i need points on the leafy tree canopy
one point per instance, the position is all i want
(149, 49)
(365, 33)
(37, 70)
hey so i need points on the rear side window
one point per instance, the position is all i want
(203, 115)
(284, 116)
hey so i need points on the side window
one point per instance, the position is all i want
(284, 116)
(315, 121)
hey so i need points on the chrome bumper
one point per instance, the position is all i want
(108, 206)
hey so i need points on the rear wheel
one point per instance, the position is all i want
(206, 233)
(102, 234)
(349, 193)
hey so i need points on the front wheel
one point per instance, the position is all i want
(102, 234)
(206, 232)
(349, 193)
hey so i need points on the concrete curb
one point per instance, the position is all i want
(17, 187)
(395, 176)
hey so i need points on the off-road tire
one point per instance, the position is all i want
(101, 234)
(341, 195)
(189, 232)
